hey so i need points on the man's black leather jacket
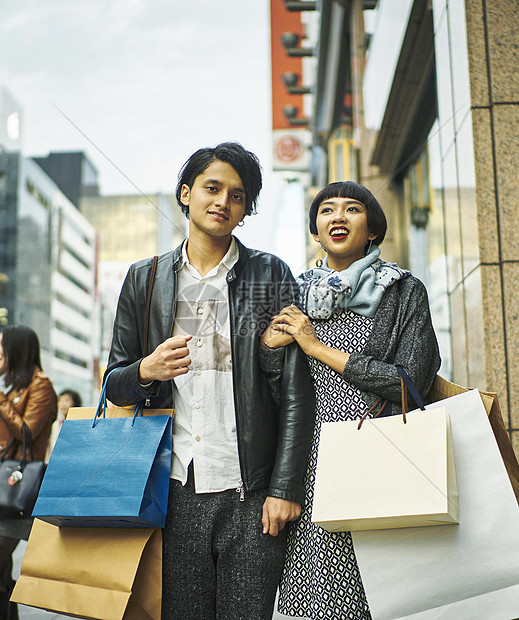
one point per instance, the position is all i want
(273, 441)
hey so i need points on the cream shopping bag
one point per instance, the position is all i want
(386, 474)
(463, 572)
(443, 389)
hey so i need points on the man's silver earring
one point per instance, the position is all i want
(241, 223)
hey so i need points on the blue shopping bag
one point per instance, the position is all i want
(109, 472)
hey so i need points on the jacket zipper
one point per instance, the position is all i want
(231, 276)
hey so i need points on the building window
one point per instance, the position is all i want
(342, 157)
(420, 191)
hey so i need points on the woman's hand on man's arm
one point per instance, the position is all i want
(274, 339)
(291, 321)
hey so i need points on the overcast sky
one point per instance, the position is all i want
(143, 82)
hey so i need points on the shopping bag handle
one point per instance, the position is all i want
(406, 383)
(10, 448)
(372, 408)
(12, 445)
(101, 407)
(27, 443)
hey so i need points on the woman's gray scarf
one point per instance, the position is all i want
(359, 287)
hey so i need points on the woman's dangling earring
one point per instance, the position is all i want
(369, 247)
(319, 262)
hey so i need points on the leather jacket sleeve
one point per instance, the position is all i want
(296, 415)
(296, 411)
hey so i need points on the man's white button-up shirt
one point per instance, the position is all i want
(204, 427)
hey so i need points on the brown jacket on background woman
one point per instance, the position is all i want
(36, 406)
(26, 396)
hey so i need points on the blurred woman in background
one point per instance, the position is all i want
(66, 399)
(26, 396)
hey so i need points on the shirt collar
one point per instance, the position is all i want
(228, 261)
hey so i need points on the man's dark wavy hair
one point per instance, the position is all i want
(244, 162)
(22, 350)
(377, 222)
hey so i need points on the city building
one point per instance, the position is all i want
(72, 172)
(134, 226)
(47, 264)
(291, 65)
(418, 100)
(130, 227)
(65, 250)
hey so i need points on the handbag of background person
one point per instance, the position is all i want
(20, 480)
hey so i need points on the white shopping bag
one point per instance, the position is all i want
(460, 572)
(386, 474)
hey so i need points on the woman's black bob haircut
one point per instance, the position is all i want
(244, 162)
(22, 350)
(377, 222)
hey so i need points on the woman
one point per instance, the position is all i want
(359, 318)
(66, 399)
(26, 396)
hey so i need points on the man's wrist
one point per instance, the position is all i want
(144, 379)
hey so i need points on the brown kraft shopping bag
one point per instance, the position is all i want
(101, 573)
(98, 573)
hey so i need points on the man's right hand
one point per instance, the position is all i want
(169, 360)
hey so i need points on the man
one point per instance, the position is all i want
(238, 459)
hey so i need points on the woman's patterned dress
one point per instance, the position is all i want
(321, 578)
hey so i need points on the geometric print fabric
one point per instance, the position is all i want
(321, 578)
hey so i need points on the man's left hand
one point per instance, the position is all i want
(276, 512)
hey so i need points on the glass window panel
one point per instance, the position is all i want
(452, 222)
(439, 8)
(444, 85)
(437, 260)
(384, 51)
(467, 195)
(460, 61)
